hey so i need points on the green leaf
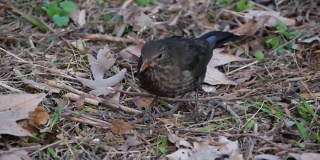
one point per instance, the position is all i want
(308, 107)
(68, 6)
(60, 20)
(299, 144)
(53, 153)
(316, 136)
(281, 27)
(259, 56)
(51, 9)
(281, 51)
(242, 5)
(302, 131)
(162, 150)
(249, 125)
(272, 43)
(145, 3)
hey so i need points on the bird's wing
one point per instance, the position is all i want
(189, 54)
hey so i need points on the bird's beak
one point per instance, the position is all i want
(144, 65)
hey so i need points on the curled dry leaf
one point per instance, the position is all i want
(79, 104)
(137, 18)
(79, 17)
(99, 67)
(202, 150)
(79, 44)
(15, 155)
(266, 156)
(120, 127)
(244, 29)
(132, 53)
(272, 21)
(213, 75)
(16, 107)
(180, 154)
(219, 58)
(142, 102)
(130, 142)
(38, 117)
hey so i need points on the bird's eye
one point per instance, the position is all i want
(160, 56)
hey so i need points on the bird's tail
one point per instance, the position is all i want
(217, 39)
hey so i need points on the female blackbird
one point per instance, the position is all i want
(176, 65)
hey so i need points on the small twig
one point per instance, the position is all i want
(228, 109)
(10, 88)
(29, 148)
(76, 94)
(101, 37)
(167, 98)
(245, 66)
(86, 121)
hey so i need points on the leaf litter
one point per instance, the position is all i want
(284, 86)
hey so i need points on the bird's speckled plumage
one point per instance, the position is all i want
(178, 65)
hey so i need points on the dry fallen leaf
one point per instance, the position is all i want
(38, 117)
(16, 107)
(137, 18)
(202, 150)
(15, 155)
(244, 29)
(272, 21)
(310, 156)
(99, 67)
(120, 127)
(79, 104)
(130, 142)
(219, 58)
(132, 53)
(142, 102)
(79, 17)
(266, 156)
(213, 75)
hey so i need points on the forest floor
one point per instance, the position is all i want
(69, 89)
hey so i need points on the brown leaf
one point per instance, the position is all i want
(219, 58)
(38, 117)
(15, 155)
(214, 77)
(79, 17)
(244, 29)
(272, 21)
(132, 53)
(120, 127)
(310, 156)
(79, 104)
(137, 18)
(130, 142)
(16, 107)
(115, 98)
(142, 102)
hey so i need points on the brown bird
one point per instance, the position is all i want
(176, 65)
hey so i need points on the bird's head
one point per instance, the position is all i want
(153, 53)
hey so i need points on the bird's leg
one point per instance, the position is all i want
(148, 111)
(195, 113)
